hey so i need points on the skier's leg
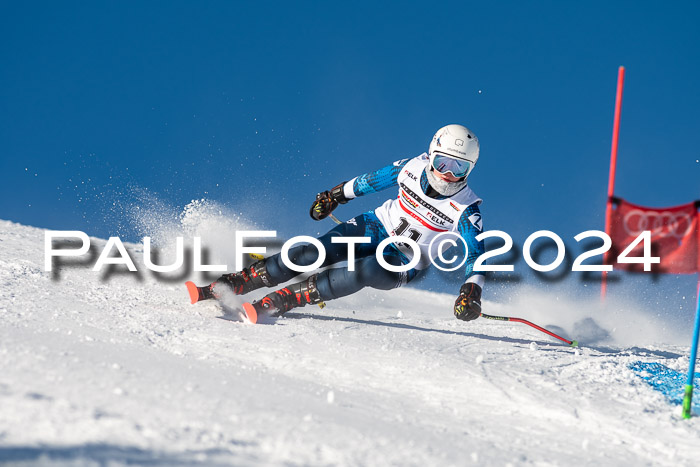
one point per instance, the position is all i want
(307, 254)
(272, 271)
(340, 282)
(336, 283)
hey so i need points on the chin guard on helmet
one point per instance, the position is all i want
(444, 187)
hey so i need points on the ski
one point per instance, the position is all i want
(250, 312)
(204, 293)
(198, 293)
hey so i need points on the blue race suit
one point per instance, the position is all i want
(413, 213)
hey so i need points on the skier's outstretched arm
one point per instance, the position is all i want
(364, 184)
(468, 304)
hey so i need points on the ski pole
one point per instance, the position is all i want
(524, 321)
(687, 399)
(335, 219)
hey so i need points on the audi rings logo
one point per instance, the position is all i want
(661, 224)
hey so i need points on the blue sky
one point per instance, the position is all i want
(259, 105)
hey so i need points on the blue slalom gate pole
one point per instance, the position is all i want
(687, 399)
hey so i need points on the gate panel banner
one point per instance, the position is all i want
(674, 236)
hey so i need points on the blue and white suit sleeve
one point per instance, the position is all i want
(375, 181)
(469, 231)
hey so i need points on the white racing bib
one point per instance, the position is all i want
(415, 215)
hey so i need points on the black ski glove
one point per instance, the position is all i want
(327, 201)
(468, 304)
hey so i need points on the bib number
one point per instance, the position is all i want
(403, 227)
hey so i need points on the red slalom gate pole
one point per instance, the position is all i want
(524, 321)
(611, 176)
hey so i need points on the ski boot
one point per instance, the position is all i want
(293, 296)
(241, 283)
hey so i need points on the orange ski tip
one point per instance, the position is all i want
(250, 312)
(193, 291)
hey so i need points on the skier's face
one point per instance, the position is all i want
(446, 165)
(448, 177)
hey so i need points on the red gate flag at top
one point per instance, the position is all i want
(674, 235)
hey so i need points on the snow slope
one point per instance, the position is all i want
(124, 370)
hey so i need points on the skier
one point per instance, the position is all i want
(433, 198)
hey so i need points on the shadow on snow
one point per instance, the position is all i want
(632, 351)
(107, 454)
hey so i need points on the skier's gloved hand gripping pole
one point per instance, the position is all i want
(468, 304)
(468, 307)
(326, 202)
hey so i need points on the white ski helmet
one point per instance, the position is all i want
(455, 141)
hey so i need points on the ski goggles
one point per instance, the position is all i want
(445, 164)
